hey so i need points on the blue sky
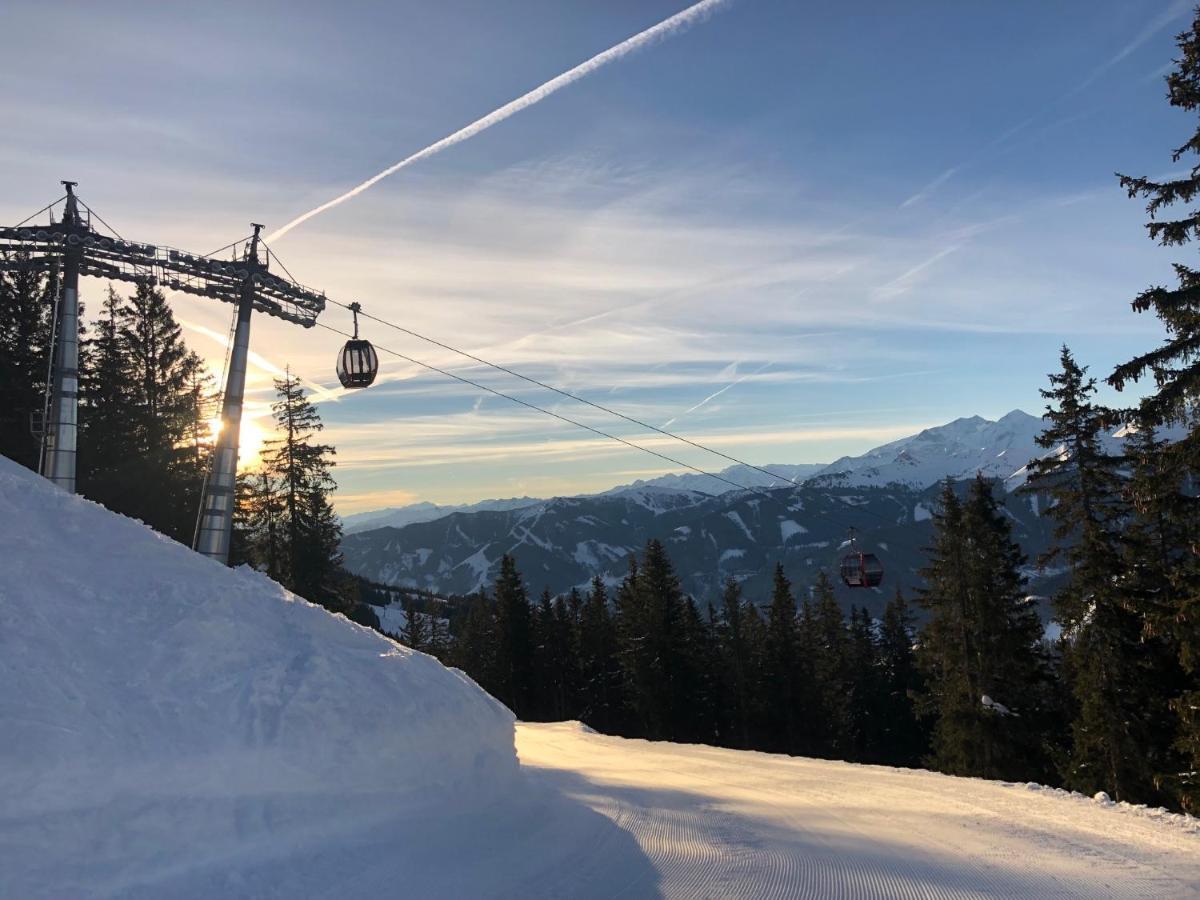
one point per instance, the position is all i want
(851, 220)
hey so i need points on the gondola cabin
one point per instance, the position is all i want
(358, 363)
(861, 570)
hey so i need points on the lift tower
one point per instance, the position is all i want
(71, 245)
(216, 507)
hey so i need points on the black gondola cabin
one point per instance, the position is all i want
(358, 363)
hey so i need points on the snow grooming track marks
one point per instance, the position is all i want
(803, 828)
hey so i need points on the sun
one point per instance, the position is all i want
(250, 440)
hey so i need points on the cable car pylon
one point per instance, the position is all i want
(58, 458)
(216, 505)
(72, 247)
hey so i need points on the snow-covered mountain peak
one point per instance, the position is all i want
(958, 449)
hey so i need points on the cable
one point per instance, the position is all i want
(271, 254)
(568, 394)
(598, 406)
(92, 212)
(605, 434)
(541, 409)
(42, 210)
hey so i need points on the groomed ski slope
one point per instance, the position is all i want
(171, 728)
(726, 823)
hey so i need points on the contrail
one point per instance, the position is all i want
(715, 395)
(662, 30)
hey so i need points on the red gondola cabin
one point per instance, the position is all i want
(861, 570)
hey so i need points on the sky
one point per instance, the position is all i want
(792, 230)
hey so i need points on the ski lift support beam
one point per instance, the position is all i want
(73, 247)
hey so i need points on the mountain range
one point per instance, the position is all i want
(801, 520)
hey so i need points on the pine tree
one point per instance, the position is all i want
(829, 652)
(739, 636)
(296, 470)
(244, 536)
(27, 300)
(650, 609)
(513, 654)
(900, 731)
(781, 668)
(1176, 400)
(415, 633)
(1155, 586)
(981, 650)
(108, 456)
(600, 688)
(552, 659)
(475, 643)
(159, 419)
(864, 718)
(694, 690)
(1116, 745)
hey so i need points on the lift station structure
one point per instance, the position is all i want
(69, 247)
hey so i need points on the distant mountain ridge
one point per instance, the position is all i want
(397, 516)
(746, 476)
(564, 542)
(887, 494)
(956, 450)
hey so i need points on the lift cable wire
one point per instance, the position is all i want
(271, 254)
(96, 215)
(577, 398)
(559, 416)
(604, 434)
(42, 210)
(785, 481)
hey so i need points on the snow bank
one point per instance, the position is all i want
(163, 715)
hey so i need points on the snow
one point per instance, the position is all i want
(789, 529)
(392, 618)
(596, 554)
(957, 450)
(922, 513)
(174, 728)
(995, 706)
(729, 823)
(735, 553)
(479, 563)
(737, 520)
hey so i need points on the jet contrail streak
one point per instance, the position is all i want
(663, 29)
